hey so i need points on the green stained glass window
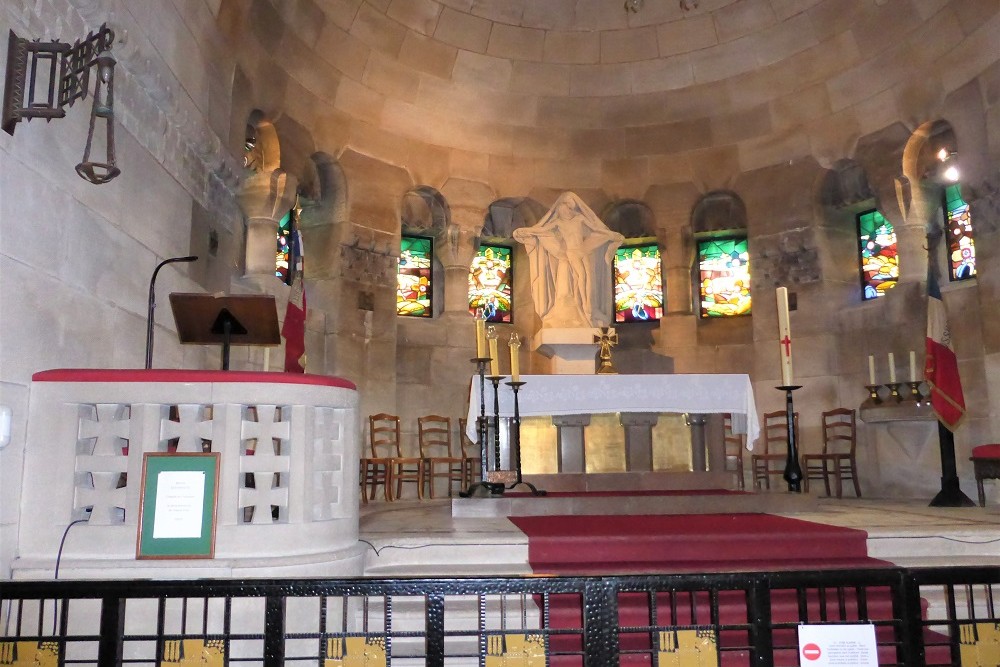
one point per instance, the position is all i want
(961, 247)
(724, 277)
(877, 248)
(490, 283)
(638, 283)
(413, 289)
(285, 253)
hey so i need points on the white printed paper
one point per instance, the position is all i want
(838, 645)
(180, 500)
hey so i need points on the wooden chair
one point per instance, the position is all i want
(374, 471)
(434, 435)
(383, 434)
(774, 448)
(471, 454)
(735, 443)
(986, 465)
(837, 460)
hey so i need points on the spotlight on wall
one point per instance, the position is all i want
(43, 78)
(948, 168)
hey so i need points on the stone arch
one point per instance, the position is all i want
(505, 215)
(424, 210)
(719, 211)
(631, 218)
(261, 147)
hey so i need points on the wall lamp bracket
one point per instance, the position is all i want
(43, 78)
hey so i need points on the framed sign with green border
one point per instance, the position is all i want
(177, 505)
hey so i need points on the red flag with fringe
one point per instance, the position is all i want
(941, 365)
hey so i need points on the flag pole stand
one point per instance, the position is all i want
(793, 471)
(950, 494)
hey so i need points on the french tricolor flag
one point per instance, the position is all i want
(941, 366)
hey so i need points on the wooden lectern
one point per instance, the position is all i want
(207, 319)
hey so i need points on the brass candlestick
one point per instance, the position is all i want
(873, 392)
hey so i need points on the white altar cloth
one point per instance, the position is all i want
(543, 395)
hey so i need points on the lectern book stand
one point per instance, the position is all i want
(207, 319)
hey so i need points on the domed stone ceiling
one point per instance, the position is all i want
(585, 93)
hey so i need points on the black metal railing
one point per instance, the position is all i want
(934, 616)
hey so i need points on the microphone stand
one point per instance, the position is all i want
(152, 304)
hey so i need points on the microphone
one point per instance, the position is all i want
(152, 304)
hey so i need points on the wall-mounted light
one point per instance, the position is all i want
(43, 78)
(948, 169)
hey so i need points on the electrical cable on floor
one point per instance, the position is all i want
(378, 550)
(932, 537)
(62, 542)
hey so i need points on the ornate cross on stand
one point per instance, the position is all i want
(606, 339)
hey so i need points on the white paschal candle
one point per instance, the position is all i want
(784, 337)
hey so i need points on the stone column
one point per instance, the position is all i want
(455, 246)
(638, 440)
(572, 445)
(920, 204)
(697, 423)
(265, 199)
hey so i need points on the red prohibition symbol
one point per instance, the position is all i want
(811, 652)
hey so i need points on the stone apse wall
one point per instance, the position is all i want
(358, 104)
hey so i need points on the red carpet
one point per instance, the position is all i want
(666, 544)
(612, 494)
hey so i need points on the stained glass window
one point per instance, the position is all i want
(413, 290)
(638, 283)
(961, 248)
(490, 283)
(285, 253)
(879, 261)
(724, 272)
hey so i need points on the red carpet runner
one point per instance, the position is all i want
(666, 544)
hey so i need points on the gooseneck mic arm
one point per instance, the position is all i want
(152, 304)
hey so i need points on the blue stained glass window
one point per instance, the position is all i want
(961, 247)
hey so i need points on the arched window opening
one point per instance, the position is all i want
(961, 246)
(638, 277)
(877, 252)
(724, 276)
(491, 283)
(413, 277)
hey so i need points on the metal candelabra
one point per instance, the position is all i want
(482, 432)
(793, 472)
(516, 443)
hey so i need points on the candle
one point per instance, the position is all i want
(491, 336)
(892, 369)
(871, 369)
(515, 369)
(784, 337)
(480, 337)
(267, 359)
(913, 366)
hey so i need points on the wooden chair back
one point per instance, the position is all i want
(775, 433)
(434, 436)
(840, 431)
(383, 436)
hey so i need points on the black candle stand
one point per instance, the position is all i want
(793, 472)
(516, 443)
(483, 432)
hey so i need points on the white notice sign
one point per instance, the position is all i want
(180, 501)
(837, 646)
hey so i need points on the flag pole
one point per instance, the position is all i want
(941, 373)
(951, 494)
